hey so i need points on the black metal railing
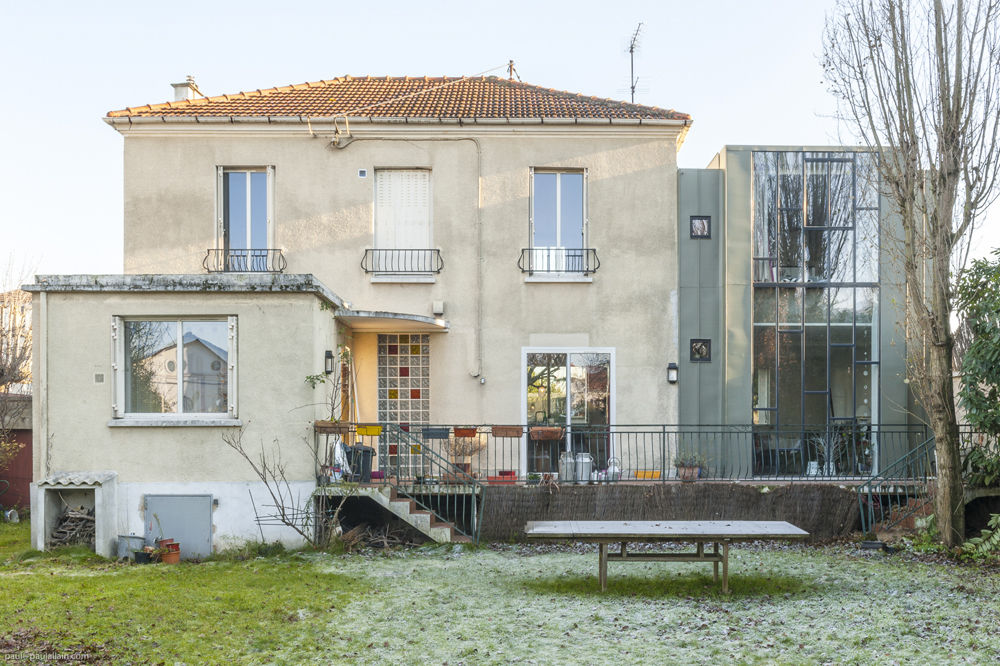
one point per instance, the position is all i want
(508, 454)
(400, 457)
(244, 260)
(902, 489)
(583, 261)
(402, 261)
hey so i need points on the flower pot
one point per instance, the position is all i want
(435, 433)
(466, 432)
(141, 557)
(171, 557)
(332, 427)
(688, 473)
(369, 430)
(507, 431)
(545, 433)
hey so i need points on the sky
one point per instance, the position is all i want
(748, 73)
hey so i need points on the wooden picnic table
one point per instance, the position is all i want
(699, 532)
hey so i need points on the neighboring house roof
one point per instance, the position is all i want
(190, 338)
(406, 97)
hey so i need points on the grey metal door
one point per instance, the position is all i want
(187, 519)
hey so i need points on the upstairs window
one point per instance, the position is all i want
(403, 244)
(558, 225)
(245, 216)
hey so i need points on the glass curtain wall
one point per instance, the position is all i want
(815, 311)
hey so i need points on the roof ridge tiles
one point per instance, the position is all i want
(482, 96)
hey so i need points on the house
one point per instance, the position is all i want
(458, 251)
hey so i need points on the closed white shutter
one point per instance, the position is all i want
(402, 209)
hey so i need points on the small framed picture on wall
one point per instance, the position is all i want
(701, 227)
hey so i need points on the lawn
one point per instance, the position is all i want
(525, 604)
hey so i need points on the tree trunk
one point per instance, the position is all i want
(950, 496)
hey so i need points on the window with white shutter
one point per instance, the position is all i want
(403, 243)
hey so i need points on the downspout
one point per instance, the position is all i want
(341, 142)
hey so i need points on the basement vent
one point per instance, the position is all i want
(98, 377)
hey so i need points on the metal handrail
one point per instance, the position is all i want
(244, 260)
(462, 510)
(902, 485)
(393, 261)
(558, 260)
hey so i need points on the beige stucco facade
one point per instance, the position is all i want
(323, 218)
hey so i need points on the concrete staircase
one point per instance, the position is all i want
(406, 509)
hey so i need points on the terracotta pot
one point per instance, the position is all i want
(172, 557)
(688, 473)
(466, 432)
(331, 427)
(545, 433)
(507, 431)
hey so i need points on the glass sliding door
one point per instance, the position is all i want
(568, 406)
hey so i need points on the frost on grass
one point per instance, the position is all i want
(791, 605)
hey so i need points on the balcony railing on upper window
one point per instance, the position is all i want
(244, 260)
(582, 261)
(402, 261)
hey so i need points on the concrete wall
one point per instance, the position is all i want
(323, 221)
(281, 339)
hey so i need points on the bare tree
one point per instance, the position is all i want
(15, 369)
(918, 82)
(315, 523)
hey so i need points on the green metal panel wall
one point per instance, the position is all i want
(700, 299)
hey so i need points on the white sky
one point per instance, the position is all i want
(748, 72)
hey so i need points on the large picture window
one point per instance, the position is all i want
(815, 301)
(174, 367)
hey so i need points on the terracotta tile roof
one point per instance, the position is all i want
(406, 97)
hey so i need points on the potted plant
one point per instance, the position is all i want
(689, 464)
(534, 478)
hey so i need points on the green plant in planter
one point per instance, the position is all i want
(686, 458)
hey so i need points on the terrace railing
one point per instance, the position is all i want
(504, 454)
(901, 490)
(394, 455)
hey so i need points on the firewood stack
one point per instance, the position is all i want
(76, 525)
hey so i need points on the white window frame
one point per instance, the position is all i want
(570, 276)
(569, 351)
(180, 417)
(376, 276)
(220, 203)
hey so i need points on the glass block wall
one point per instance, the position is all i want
(404, 378)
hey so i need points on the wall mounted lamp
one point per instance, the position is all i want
(328, 362)
(672, 372)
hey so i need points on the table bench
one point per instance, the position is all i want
(699, 532)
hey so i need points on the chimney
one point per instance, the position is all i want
(186, 90)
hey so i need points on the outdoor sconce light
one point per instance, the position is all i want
(328, 362)
(672, 371)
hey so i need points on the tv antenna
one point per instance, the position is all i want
(632, 47)
(512, 72)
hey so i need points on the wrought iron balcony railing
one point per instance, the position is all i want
(402, 261)
(244, 260)
(582, 261)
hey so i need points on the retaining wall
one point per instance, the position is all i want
(825, 511)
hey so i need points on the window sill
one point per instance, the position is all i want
(153, 422)
(404, 279)
(560, 277)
